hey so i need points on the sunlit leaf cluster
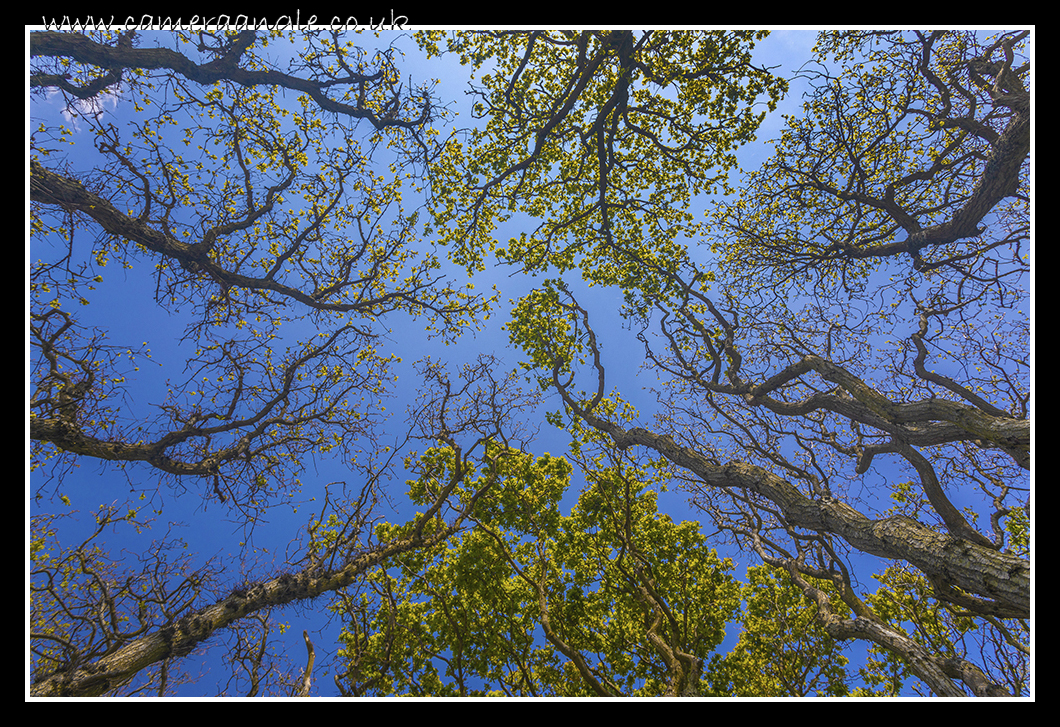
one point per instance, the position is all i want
(602, 138)
(614, 585)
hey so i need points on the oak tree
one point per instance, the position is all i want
(850, 330)
(252, 210)
(839, 349)
(614, 599)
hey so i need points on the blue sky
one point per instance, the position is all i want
(121, 306)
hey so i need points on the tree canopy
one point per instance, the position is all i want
(829, 354)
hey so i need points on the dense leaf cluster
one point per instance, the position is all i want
(839, 349)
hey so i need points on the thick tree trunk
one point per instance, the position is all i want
(947, 560)
(182, 636)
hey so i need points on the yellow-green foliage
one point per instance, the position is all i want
(467, 618)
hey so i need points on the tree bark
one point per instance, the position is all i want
(947, 560)
(83, 49)
(182, 636)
